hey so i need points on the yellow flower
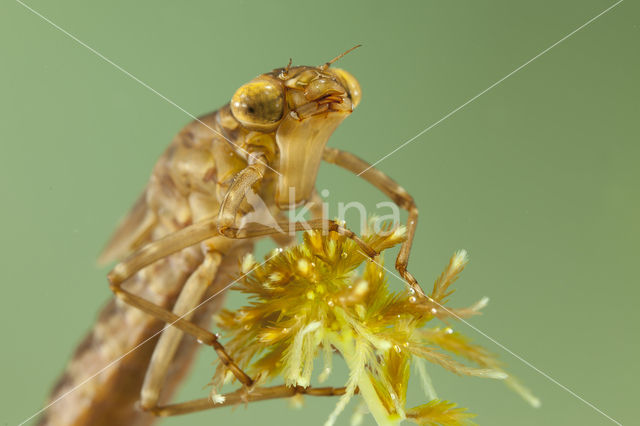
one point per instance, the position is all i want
(308, 301)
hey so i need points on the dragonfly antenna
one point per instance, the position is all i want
(328, 64)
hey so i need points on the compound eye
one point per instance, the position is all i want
(259, 105)
(350, 83)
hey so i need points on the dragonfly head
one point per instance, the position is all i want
(300, 107)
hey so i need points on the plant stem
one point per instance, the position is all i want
(372, 400)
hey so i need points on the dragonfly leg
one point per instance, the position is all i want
(165, 350)
(156, 250)
(393, 190)
(283, 239)
(149, 254)
(240, 396)
(204, 336)
(242, 183)
(325, 225)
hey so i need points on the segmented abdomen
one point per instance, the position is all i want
(102, 382)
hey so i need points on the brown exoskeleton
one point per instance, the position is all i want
(186, 233)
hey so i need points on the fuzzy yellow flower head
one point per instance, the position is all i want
(308, 301)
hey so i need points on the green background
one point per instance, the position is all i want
(538, 178)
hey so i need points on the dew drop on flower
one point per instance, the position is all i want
(448, 330)
(200, 342)
(330, 303)
(344, 255)
(434, 311)
(412, 299)
(397, 348)
(303, 266)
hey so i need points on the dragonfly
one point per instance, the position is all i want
(187, 232)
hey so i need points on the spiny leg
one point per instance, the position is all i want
(156, 250)
(149, 254)
(283, 240)
(242, 183)
(164, 351)
(324, 225)
(398, 194)
(240, 396)
(204, 336)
